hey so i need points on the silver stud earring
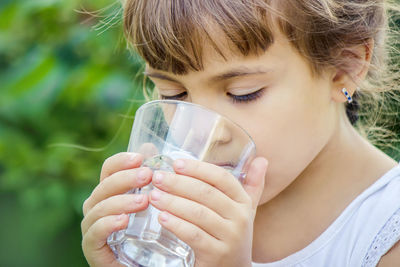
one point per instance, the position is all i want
(347, 95)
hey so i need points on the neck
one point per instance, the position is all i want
(346, 166)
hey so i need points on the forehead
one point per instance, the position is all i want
(220, 55)
(174, 38)
(234, 64)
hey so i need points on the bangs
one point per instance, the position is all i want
(170, 35)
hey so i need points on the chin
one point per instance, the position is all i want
(267, 196)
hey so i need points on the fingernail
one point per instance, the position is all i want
(158, 177)
(138, 198)
(180, 164)
(155, 194)
(163, 216)
(121, 216)
(132, 156)
(142, 175)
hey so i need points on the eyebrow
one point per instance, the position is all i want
(159, 76)
(238, 72)
(234, 73)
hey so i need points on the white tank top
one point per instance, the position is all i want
(361, 235)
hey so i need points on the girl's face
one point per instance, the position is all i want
(289, 113)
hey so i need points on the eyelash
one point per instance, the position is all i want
(235, 98)
(247, 98)
(174, 97)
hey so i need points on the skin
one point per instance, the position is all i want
(315, 158)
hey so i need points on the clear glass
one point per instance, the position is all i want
(165, 130)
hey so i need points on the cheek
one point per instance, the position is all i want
(290, 140)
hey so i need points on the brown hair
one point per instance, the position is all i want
(169, 35)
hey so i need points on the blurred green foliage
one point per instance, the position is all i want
(66, 77)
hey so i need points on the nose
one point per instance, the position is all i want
(199, 130)
(221, 132)
(214, 137)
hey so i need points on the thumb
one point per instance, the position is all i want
(255, 179)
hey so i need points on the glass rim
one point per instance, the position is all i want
(172, 101)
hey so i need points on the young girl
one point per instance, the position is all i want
(292, 73)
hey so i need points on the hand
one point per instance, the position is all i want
(207, 208)
(105, 211)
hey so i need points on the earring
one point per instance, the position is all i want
(348, 96)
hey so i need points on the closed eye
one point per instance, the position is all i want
(247, 98)
(174, 97)
(235, 98)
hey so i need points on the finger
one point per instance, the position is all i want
(102, 258)
(120, 161)
(118, 183)
(195, 237)
(199, 191)
(255, 180)
(119, 204)
(96, 236)
(190, 211)
(214, 175)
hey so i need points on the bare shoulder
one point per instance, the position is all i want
(391, 258)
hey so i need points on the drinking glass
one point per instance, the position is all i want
(163, 131)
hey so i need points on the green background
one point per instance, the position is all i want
(65, 77)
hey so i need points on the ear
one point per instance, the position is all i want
(356, 61)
